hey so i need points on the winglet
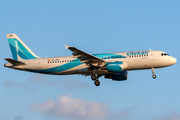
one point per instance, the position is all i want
(66, 46)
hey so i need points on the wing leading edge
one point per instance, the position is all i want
(85, 57)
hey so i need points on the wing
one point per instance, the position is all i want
(85, 57)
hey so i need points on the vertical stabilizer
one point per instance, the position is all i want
(18, 49)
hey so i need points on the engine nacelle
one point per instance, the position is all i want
(117, 76)
(115, 67)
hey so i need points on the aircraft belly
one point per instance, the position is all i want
(83, 71)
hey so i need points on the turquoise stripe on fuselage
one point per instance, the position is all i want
(72, 64)
(68, 66)
(57, 69)
(106, 55)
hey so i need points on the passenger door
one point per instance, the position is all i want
(152, 55)
(39, 63)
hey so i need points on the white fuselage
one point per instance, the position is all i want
(134, 60)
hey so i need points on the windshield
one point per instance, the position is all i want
(164, 54)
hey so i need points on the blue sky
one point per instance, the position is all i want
(95, 27)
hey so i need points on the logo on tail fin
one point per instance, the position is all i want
(18, 49)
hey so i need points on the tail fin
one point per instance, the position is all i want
(18, 49)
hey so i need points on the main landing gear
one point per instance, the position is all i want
(97, 83)
(154, 76)
(95, 79)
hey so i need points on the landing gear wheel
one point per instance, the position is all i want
(97, 83)
(93, 77)
(154, 76)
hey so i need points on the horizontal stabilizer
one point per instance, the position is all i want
(14, 62)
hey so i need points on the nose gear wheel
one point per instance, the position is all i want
(154, 76)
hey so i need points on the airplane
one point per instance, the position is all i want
(113, 66)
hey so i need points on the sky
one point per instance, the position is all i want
(94, 26)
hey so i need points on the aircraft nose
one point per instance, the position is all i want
(173, 60)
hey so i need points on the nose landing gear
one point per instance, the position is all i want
(95, 79)
(154, 76)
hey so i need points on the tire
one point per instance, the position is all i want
(154, 76)
(93, 77)
(97, 83)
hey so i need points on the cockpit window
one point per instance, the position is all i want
(164, 54)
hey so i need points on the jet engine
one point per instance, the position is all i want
(115, 67)
(117, 76)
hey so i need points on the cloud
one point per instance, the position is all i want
(72, 84)
(76, 109)
(1, 117)
(172, 116)
(21, 85)
(38, 80)
(42, 80)
(18, 118)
